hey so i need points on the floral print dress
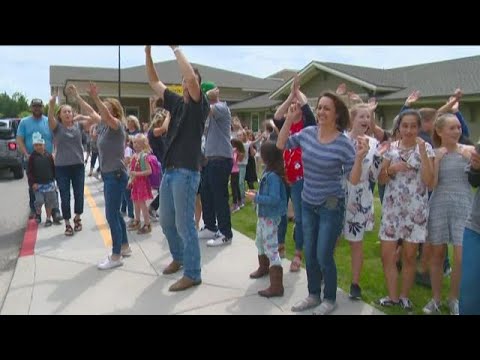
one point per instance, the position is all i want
(405, 205)
(359, 216)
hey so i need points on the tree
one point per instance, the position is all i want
(46, 107)
(13, 106)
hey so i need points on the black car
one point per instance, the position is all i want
(10, 155)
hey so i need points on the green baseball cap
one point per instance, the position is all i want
(207, 86)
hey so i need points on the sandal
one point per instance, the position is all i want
(134, 225)
(145, 229)
(68, 230)
(296, 263)
(78, 224)
(281, 251)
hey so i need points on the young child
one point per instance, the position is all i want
(271, 203)
(238, 154)
(141, 191)
(41, 177)
(127, 204)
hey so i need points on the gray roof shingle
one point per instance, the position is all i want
(168, 72)
(259, 102)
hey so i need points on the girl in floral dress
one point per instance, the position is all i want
(359, 216)
(407, 171)
(141, 190)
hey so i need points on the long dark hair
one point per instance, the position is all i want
(273, 159)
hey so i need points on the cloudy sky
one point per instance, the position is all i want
(26, 68)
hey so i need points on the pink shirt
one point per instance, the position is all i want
(235, 168)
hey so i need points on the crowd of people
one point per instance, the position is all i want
(327, 163)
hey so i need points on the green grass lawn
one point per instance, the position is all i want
(372, 280)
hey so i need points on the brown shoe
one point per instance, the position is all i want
(183, 284)
(276, 283)
(172, 268)
(263, 266)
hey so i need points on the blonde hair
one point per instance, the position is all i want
(117, 109)
(134, 119)
(354, 110)
(141, 137)
(59, 111)
(439, 125)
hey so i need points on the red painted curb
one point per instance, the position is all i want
(29, 239)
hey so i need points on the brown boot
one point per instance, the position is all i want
(276, 283)
(263, 265)
(172, 268)
(183, 284)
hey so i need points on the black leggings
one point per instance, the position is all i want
(235, 185)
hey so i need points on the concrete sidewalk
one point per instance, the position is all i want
(62, 277)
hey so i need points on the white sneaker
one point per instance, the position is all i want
(432, 307)
(305, 304)
(206, 234)
(108, 263)
(325, 308)
(453, 305)
(219, 240)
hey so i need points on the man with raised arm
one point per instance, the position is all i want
(182, 167)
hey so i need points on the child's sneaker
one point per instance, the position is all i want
(48, 223)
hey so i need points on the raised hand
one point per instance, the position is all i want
(413, 97)
(148, 50)
(458, 94)
(363, 146)
(372, 104)
(71, 90)
(294, 113)
(93, 90)
(421, 145)
(354, 97)
(456, 104)
(341, 89)
(53, 99)
(173, 47)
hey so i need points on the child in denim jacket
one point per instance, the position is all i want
(271, 201)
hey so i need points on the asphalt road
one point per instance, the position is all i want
(13, 220)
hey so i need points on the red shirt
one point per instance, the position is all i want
(293, 158)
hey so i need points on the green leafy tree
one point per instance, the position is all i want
(13, 106)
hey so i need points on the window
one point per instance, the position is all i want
(132, 110)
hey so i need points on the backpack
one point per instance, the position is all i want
(155, 178)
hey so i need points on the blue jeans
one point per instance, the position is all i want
(214, 193)
(295, 193)
(322, 226)
(75, 175)
(127, 203)
(177, 208)
(470, 283)
(114, 184)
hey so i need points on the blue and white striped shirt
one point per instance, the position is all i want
(325, 165)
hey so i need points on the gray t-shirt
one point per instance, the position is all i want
(111, 146)
(68, 144)
(217, 133)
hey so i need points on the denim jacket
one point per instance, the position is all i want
(271, 198)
